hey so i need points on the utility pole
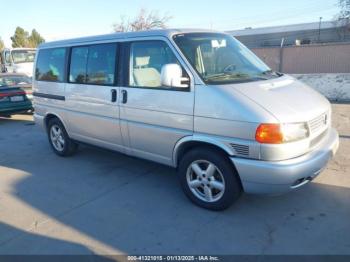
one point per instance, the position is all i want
(319, 29)
(280, 66)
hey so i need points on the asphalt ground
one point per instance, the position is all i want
(102, 202)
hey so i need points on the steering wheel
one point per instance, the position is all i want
(230, 68)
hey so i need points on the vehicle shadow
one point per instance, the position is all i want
(137, 207)
(26, 118)
(42, 245)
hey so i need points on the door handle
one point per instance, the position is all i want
(113, 95)
(125, 96)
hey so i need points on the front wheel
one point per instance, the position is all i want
(209, 179)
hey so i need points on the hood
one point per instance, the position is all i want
(287, 99)
(25, 68)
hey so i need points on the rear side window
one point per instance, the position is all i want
(78, 64)
(93, 64)
(51, 65)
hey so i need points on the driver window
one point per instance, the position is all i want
(146, 61)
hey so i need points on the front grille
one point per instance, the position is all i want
(242, 150)
(318, 123)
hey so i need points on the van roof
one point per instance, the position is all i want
(107, 37)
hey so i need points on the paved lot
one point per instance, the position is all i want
(106, 203)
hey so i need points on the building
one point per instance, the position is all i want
(308, 33)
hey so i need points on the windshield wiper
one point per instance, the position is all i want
(236, 77)
(227, 75)
(271, 73)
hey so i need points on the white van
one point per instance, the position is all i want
(196, 100)
(18, 60)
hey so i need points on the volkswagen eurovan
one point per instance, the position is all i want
(196, 100)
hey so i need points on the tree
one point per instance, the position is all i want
(144, 20)
(344, 8)
(20, 38)
(342, 19)
(2, 44)
(35, 39)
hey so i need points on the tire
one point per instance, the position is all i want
(219, 185)
(59, 140)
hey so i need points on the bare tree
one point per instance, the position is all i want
(342, 19)
(344, 8)
(143, 21)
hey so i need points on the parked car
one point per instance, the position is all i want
(15, 94)
(198, 101)
(17, 60)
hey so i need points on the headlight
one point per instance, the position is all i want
(295, 131)
(281, 133)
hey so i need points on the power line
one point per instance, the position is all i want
(277, 16)
(289, 11)
(284, 17)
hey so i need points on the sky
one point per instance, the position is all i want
(62, 19)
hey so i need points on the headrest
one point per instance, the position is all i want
(142, 61)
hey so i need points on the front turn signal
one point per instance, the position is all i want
(269, 134)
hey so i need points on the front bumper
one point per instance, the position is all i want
(275, 177)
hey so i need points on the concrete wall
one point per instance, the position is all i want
(336, 87)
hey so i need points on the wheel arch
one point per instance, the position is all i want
(50, 116)
(187, 143)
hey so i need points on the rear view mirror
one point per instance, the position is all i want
(171, 75)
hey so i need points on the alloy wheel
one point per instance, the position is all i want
(205, 181)
(57, 138)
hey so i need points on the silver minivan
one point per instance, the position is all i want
(196, 100)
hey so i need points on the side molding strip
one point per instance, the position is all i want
(49, 96)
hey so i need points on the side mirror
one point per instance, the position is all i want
(171, 75)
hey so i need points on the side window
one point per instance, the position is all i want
(146, 61)
(101, 64)
(7, 57)
(78, 64)
(51, 65)
(93, 64)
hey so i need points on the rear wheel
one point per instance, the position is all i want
(209, 179)
(60, 142)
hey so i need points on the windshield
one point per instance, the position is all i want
(221, 59)
(23, 56)
(16, 80)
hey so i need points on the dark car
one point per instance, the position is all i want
(15, 94)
